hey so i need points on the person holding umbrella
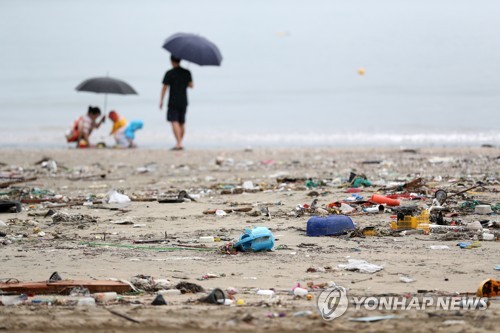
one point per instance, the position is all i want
(178, 79)
(192, 48)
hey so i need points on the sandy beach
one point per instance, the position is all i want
(99, 242)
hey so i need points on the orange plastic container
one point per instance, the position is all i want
(380, 199)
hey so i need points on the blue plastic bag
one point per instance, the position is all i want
(256, 239)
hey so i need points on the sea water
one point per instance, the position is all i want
(291, 73)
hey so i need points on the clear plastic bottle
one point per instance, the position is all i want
(13, 300)
(265, 292)
(169, 292)
(301, 292)
(303, 313)
(86, 301)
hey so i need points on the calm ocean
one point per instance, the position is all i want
(289, 75)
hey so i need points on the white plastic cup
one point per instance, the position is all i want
(375, 209)
(488, 237)
(220, 212)
(207, 239)
(301, 292)
(13, 300)
(483, 209)
(86, 301)
(265, 292)
(248, 185)
(476, 225)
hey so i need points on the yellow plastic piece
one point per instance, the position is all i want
(412, 222)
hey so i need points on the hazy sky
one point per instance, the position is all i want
(288, 65)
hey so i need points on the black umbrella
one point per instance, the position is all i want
(193, 48)
(106, 85)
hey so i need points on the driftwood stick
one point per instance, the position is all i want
(17, 181)
(123, 316)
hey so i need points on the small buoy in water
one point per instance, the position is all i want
(361, 71)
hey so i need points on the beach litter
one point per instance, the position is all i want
(439, 247)
(7, 206)
(469, 245)
(216, 296)
(148, 283)
(483, 209)
(381, 199)
(63, 286)
(220, 212)
(159, 300)
(116, 197)
(189, 288)
(360, 266)
(372, 319)
(265, 292)
(453, 322)
(488, 288)
(406, 279)
(152, 248)
(330, 225)
(183, 196)
(318, 192)
(360, 180)
(256, 239)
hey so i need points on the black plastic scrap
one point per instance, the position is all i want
(188, 287)
(159, 300)
(180, 198)
(10, 206)
(217, 296)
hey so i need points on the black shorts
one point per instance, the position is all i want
(177, 114)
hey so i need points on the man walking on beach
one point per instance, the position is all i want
(178, 79)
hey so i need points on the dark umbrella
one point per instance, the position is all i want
(106, 85)
(193, 48)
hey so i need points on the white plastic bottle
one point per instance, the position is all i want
(301, 292)
(86, 301)
(169, 292)
(265, 292)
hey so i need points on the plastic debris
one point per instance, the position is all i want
(256, 239)
(330, 225)
(439, 247)
(469, 245)
(115, 197)
(406, 279)
(361, 266)
(372, 318)
(265, 292)
(159, 300)
(217, 296)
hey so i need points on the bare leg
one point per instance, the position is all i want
(178, 130)
(183, 130)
